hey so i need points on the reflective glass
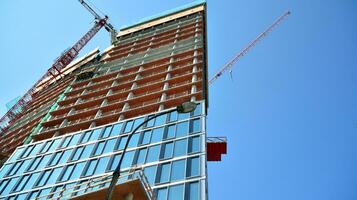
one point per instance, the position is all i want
(55, 158)
(109, 146)
(44, 192)
(77, 171)
(9, 186)
(128, 126)
(168, 147)
(75, 139)
(176, 192)
(198, 110)
(99, 148)
(4, 170)
(25, 165)
(193, 167)
(137, 122)
(87, 151)
(21, 196)
(196, 125)
(86, 136)
(160, 120)
(65, 156)
(194, 191)
(165, 173)
(150, 173)
(134, 140)
(95, 134)
(54, 144)
(180, 147)
(178, 170)
(3, 185)
(146, 137)
(141, 156)
(34, 163)
(27, 152)
(116, 129)
(182, 129)
(128, 159)
(157, 135)
(106, 132)
(194, 144)
(43, 161)
(102, 165)
(114, 162)
(183, 116)
(22, 182)
(171, 131)
(14, 168)
(66, 173)
(65, 141)
(90, 167)
(153, 154)
(46, 146)
(151, 122)
(122, 143)
(35, 149)
(173, 116)
(161, 194)
(54, 175)
(77, 153)
(17, 153)
(31, 182)
(44, 177)
(33, 195)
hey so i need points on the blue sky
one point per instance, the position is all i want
(290, 112)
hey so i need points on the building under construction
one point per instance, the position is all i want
(67, 136)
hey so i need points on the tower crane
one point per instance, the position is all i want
(55, 70)
(230, 64)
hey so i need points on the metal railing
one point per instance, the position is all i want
(97, 183)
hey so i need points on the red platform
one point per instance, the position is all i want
(216, 146)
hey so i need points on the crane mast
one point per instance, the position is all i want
(245, 50)
(16, 111)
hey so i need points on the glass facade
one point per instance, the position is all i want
(169, 149)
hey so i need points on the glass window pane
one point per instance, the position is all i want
(194, 144)
(146, 137)
(134, 140)
(157, 135)
(35, 150)
(46, 146)
(153, 154)
(25, 165)
(151, 122)
(21, 196)
(162, 194)
(109, 146)
(21, 184)
(34, 164)
(114, 162)
(193, 167)
(9, 186)
(106, 132)
(165, 173)
(116, 129)
(183, 116)
(4, 170)
(102, 165)
(168, 147)
(65, 142)
(176, 192)
(14, 168)
(27, 151)
(196, 125)
(43, 178)
(141, 156)
(194, 191)
(44, 192)
(55, 144)
(86, 136)
(137, 122)
(173, 116)
(31, 182)
(87, 151)
(75, 139)
(77, 153)
(18, 152)
(33, 195)
(55, 158)
(122, 143)
(90, 167)
(150, 173)
(99, 148)
(77, 171)
(128, 159)
(54, 175)
(182, 129)
(65, 156)
(180, 147)
(198, 110)
(95, 134)
(66, 173)
(128, 126)
(43, 162)
(178, 170)
(160, 120)
(171, 131)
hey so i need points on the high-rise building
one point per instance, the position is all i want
(70, 139)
